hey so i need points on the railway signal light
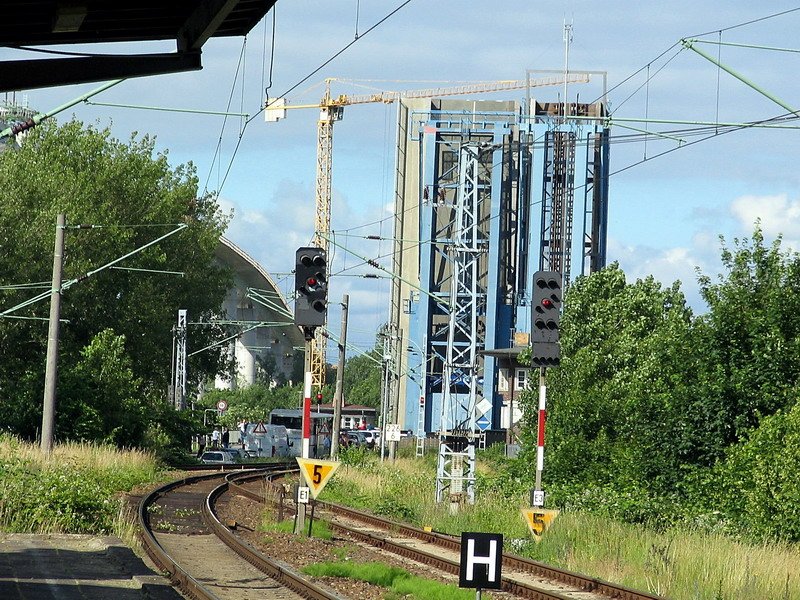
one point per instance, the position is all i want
(547, 292)
(311, 287)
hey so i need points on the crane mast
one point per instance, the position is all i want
(322, 222)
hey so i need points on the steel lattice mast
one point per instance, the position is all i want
(180, 361)
(455, 472)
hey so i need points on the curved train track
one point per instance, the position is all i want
(181, 532)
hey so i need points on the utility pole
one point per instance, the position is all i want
(393, 398)
(338, 400)
(51, 366)
(386, 334)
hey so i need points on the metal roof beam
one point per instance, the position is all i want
(31, 74)
(203, 23)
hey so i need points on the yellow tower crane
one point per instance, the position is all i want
(331, 109)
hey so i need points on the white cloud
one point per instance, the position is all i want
(668, 265)
(778, 216)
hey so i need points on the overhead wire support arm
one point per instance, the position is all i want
(91, 273)
(193, 111)
(227, 339)
(750, 46)
(648, 132)
(263, 300)
(36, 119)
(691, 45)
(155, 271)
(773, 123)
(374, 264)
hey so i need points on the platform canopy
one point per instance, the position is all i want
(43, 23)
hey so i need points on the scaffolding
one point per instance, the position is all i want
(558, 196)
(468, 174)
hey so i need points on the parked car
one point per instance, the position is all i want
(236, 454)
(364, 437)
(371, 437)
(217, 457)
(355, 438)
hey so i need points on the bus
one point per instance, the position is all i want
(292, 419)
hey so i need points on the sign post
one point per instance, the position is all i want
(306, 444)
(481, 561)
(316, 473)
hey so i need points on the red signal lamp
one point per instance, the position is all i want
(547, 303)
(311, 281)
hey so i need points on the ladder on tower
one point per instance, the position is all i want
(420, 432)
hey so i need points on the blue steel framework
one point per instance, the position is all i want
(498, 150)
(441, 139)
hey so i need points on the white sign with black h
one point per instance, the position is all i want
(481, 560)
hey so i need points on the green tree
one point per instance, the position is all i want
(100, 398)
(614, 401)
(751, 334)
(362, 379)
(129, 195)
(756, 486)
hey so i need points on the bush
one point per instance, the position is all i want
(74, 490)
(757, 486)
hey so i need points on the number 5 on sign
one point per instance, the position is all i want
(316, 473)
(539, 520)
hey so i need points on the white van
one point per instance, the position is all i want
(266, 440)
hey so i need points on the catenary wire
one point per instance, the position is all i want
(299, 83)
(225, 121)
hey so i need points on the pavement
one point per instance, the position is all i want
(76, 567)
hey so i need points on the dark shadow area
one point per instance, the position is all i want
(28, 573)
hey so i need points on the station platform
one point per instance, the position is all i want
(76, 567)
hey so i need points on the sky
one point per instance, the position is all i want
(669, 201)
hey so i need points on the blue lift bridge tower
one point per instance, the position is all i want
(479, 185)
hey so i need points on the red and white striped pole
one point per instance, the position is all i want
(538, 494)
(299, 522)
(305, 452)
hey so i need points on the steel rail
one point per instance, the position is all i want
(185, 582)
(511, 561)
(280, 573)
(160, 557)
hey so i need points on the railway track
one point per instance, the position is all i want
(182, 532)
(522, 577)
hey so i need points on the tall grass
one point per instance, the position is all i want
(400, 583)
(679, 564)
(75, 489)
